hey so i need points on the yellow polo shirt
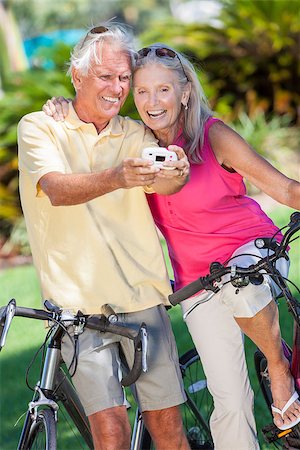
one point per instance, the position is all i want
(106, 250)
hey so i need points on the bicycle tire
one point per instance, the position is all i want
(42, 433)
(196, 411)
(198, 408)
(261, 367)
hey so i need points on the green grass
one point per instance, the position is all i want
(26, 335)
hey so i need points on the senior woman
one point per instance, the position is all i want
(212, 219)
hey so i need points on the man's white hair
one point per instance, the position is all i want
(88, 51)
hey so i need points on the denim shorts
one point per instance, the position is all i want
(98, 374)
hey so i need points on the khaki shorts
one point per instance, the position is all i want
(98, 373)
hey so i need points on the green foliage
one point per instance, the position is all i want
(55, 58)
(257, 130)
(274, 139)
(25, 92)
(18, 240)
(40, 16)
(129, 108)
(251, 59)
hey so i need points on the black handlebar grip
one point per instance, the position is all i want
(295, 217)
(33, 313)
(186, 292)
(51, 307)
(102, 324)
(136, 370)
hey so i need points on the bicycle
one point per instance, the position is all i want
(241, 276)
(196, 411)
(54, 391)
(40, 425)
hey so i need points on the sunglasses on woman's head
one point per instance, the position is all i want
(161, 52)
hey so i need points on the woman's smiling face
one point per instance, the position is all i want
(157, 95)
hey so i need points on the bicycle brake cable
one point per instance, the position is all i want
(42, 347)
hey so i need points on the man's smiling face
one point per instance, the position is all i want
(101, 93)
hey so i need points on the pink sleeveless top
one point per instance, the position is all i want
(209, 218)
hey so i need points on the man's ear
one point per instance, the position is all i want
(76, 78)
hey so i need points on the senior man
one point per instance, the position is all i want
(93, 239)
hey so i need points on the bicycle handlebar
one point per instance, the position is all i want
(96, 323)
(140, 344)
(217, 270)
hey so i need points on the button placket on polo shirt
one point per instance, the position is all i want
(98, 162)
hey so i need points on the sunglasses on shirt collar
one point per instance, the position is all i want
(161, 52)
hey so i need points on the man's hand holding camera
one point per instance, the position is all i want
(133, 172)
(172, 161)
(153, 167)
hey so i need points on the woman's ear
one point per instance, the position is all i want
(186, 94)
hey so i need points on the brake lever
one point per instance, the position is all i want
(140, 360)
(144, 338)
(9, 314)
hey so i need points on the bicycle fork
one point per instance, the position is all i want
(41, 390)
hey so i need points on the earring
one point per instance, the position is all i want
(186, 107)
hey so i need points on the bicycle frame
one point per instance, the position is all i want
(139, 432)
(295, 363)
(55, 387)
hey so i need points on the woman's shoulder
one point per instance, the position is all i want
(213, 125)
(212, 121)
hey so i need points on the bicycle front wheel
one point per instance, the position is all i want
(42, 432)
(196, 411)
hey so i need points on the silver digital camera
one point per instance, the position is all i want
(159, 155)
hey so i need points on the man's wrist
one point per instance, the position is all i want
(110, 179)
